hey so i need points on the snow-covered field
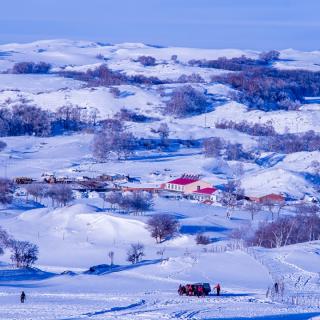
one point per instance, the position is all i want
(79, 236)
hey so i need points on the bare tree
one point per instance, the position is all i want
(162, 226)
(242, 234)
(24, 253)
(113, 140)
(114, 198)
(147, 61)
(111, 257)
(202, 239)
(161, 252)
(270, 205)
(163, 132)
(6, 191)
(306, 208)
(138, 202)
(269, 56)
(254, 208)
(274, 207)
(2, 144)
(5, 239)
(232, 195)
(186, 101)
(60, 194)
(135, 253)
(37, 190)
(213, 146)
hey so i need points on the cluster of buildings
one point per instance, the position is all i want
(190, 186)
(197, 189)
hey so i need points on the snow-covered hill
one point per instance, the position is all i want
(80, 235)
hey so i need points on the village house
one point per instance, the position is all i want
(205, 194)
(186, 184)
(274, 198)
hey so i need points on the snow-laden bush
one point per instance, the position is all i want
(202, 239)
(147, 61)
(31, 67)
(271, 89)
(290, 143)
(253, 129)
(186, 101)
(113, 141)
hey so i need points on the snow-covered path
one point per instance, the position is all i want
(298, 281)
(148, 305)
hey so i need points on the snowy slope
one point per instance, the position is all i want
(80, 235)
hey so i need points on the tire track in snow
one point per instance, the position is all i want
(113, 309)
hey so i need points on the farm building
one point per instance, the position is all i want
(205, 194)
(186, 184)
(275, 198)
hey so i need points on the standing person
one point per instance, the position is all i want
(200, 291)
(218, 288)
(22, 297)
(276, 288)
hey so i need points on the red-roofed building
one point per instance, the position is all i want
(275, 198)
(186, 184)
(205, 194)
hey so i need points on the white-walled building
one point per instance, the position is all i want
(186, 184)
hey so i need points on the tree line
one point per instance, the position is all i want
(26, 119)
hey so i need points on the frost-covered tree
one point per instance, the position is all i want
(24, 254)
(135, 253)
(287, 230)
(31, 120)
(147, 61)
(60, 194)
(186, 101)
(269, 56)
(37, 190)
(162, 226)
(31, 67)
(114, 198)
(231, 196)
(113, 140)
(6, 191)
(212, 147)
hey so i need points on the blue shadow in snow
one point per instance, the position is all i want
(107, 269)
(297, 316)
(114, 309)
(197, 229)
(15, 277)
(315, 179)
(270, 160)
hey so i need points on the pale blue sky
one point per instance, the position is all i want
(245, 24)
